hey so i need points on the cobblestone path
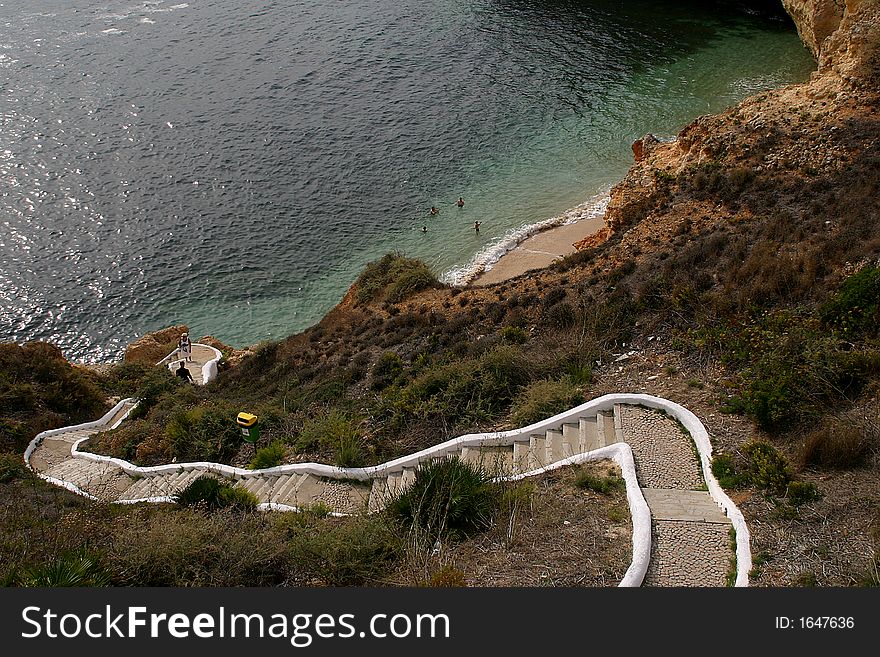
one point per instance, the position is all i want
(691, 543)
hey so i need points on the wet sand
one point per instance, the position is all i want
(539, 250)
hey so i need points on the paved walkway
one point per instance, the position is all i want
(690, 546)
(690, 543)
(201, 355)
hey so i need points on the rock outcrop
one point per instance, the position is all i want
(788, 128)
(153, 347)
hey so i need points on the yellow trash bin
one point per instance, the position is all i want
(250, 430)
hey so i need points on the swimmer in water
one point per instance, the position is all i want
(434, 210)
(460, 202)
(477, 226)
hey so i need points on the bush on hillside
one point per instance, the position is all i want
(212, 494)
(393, 278)
(357, 552)
(268, 456)
(855, 309)
(464, 391)
(327, 431)
(39, 389)
(205, 433)
(449, 496)
(839, 442)
(543, 399)
(766, 467)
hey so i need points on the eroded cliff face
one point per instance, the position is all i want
(816, 20)
(844, 35)
(794, 129)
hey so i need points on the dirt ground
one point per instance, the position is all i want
(561, 536)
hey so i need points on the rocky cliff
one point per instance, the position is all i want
(797, 128)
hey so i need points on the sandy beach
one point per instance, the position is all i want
(539, 250)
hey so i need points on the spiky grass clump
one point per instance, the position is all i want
(449, 496)
(211, 494)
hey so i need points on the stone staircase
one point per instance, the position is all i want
(111, 480)
(564, 439)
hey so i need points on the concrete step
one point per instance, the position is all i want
(173, 479)
(136, 490)
(572, 442)
(604, 428)
(471, 455)
(86, 477)
(537, 451)
(186, 479)
(248, 483)
(589, 433)
(521, 450)
(285, 490)
(308, 489)
(495, 460)
(378, 495)
(553, 445)
(73, 436)
(394, 483)
(618, 424)
(68, 468)
(407, 479)
(264, 492)
(162, 484)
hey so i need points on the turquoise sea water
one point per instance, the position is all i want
(233, 165)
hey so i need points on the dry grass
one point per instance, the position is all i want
(559, 535)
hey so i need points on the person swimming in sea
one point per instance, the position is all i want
(460, 202)
(477, 226)
(434, 210)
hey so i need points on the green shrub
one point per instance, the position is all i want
(604, 485)
(269, 456)
(767, 468)
(800, 492)
(386, 370)
(449, 496)
(349, 452)
(186, 547)
(543, 399)
(559, 316)
(356, 552)
(854, 309)
(77, 568)
(212, 494)
(329, 431)
(725, 472)
(11, 467)
(514, 335)
(465, 391)
(393, 278)
(207, 432)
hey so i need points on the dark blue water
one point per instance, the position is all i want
(233, 165)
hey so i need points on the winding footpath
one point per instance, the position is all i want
(686, 531)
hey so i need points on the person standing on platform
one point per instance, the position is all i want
(184, 373)
(184, 346)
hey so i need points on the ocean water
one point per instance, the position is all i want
(233, 164)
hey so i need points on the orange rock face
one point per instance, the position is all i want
(153, 347)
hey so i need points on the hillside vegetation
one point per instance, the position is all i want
(739, 275)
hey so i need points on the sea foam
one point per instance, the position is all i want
(485, 259)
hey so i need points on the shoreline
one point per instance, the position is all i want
(532, 246)
(539, 251)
